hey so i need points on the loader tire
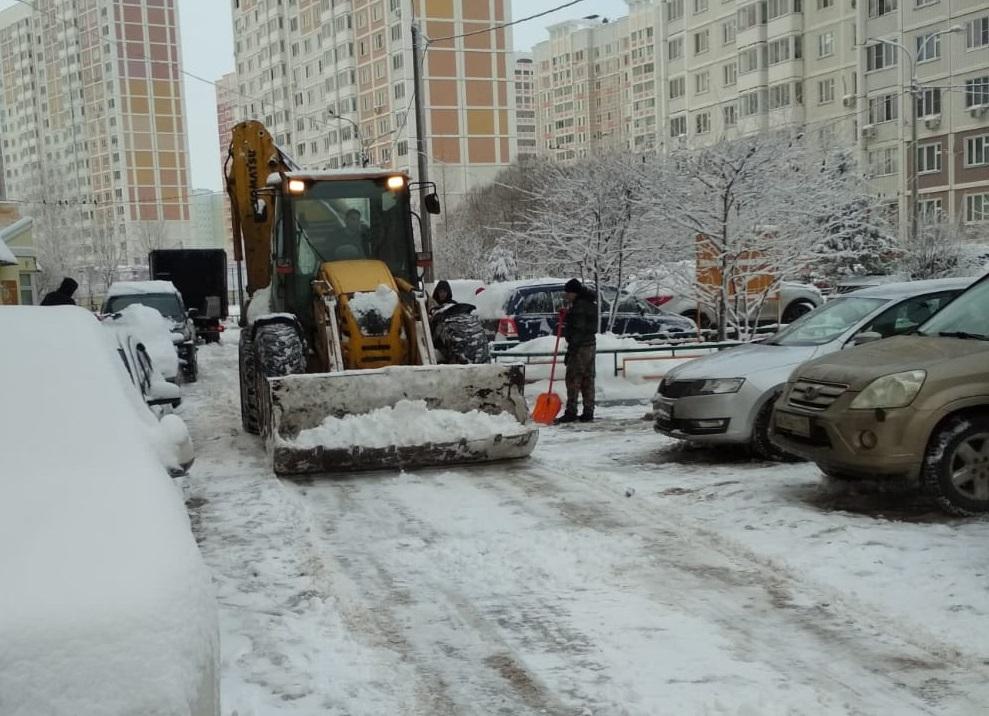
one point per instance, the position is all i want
(248, 384)
(461, 339)
(278, 351)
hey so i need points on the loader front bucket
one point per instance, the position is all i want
(302, 417)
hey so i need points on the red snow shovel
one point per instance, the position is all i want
(548, 404)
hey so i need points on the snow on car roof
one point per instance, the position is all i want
(130, 288)
(104, 591)
(7, 257)
(491, 301)
(912, 288)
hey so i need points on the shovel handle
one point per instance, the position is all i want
(556, 348)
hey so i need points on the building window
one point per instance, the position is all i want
(929, 158)
(702, 82)
(748, 59)
(880, 55)
(728, 31)
(675, 48)
(824, 4)
(702, 42)
(674, 10)
(678, 126)
(751, 104)
(730, 73)
(977, 208)
(779, 50)
(751, 15)
(779, 96)
(825, 44)
(703, 122)
(884, 108)
(730, 115)
(700, 6)
(929, 102)
(878, 8)
(396, 62)
(928, 46)
(399, 91)
(825, 91)
(677, 87)
(977, 151)
(777, 8)
(930, 210)
(27, 288)
(977, 33)
(977, 91)
(882, 162)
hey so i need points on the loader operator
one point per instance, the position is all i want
(580, 330)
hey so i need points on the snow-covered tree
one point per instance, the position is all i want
(942, 249)
(151, 235)
(849, 247)
(754, 207)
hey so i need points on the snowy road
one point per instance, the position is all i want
(612, 573)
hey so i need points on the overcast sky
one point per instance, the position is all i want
(207, 51)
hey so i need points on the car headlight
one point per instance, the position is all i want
(715, 386)
(891, 391)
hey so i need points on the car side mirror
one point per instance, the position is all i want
(867, 337)
(192, 312)
(432, 203)
(260, 211)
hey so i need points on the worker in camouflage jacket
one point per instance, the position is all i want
(580, 329)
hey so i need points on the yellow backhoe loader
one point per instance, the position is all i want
(336, 325)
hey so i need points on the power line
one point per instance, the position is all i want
(507, 24)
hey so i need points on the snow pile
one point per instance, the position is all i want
(154, 331)
(129, 288)
(382, 301)
(106, 607)
(6, 255)
(407, 423)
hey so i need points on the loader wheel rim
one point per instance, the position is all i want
(969, 467)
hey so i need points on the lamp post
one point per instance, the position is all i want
(357, 134)
(916, 93)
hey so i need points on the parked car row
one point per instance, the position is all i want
(887, 381)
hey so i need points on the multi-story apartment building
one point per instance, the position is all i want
(525, 106)
(92, 124)
(334, 82)
(226, 118)
(689, 72)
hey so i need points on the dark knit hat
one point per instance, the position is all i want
(572, 286)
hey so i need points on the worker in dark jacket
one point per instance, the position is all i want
(442, 294)
(580, 330)
(61, 296)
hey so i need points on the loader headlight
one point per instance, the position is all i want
(891, 391)
(715, 386)
(395, 183)
(296, 186)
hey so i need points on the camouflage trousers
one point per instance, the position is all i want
(580, 378)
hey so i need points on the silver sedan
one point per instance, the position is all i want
(728, 397)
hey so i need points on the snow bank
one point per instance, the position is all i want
(106, 607)
(491, 301)
(6, 255)
(383, 301)
(154, 331)
(129, 288)
(407, 423)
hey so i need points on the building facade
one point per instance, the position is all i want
(333, 81)
(690, 72)
(525, 106)
(92, 125)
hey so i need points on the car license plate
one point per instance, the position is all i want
(664, 409)
(796, 424)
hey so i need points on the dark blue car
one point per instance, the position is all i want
(531, 311)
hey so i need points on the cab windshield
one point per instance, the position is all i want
(167, 304)
(360, 219)
(826, 323)
(965, 317)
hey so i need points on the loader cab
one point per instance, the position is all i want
(338, 216)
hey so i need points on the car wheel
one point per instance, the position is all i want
(956, 466)
(761, 444)
(192, 367)
(796, 309)
(248, 384)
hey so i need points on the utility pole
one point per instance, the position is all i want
(427, 233)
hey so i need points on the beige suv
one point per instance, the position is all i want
(913, 407)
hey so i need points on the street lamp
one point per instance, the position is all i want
(916, 92)
(357, 133)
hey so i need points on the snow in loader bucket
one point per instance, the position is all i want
(397, 417)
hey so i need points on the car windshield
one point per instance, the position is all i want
(827, 322)
(965, 317)
(167, 304)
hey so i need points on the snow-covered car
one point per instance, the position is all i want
(728, 397)
(106, 605)
(166, 300)
(141, 331)
(793, 301)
